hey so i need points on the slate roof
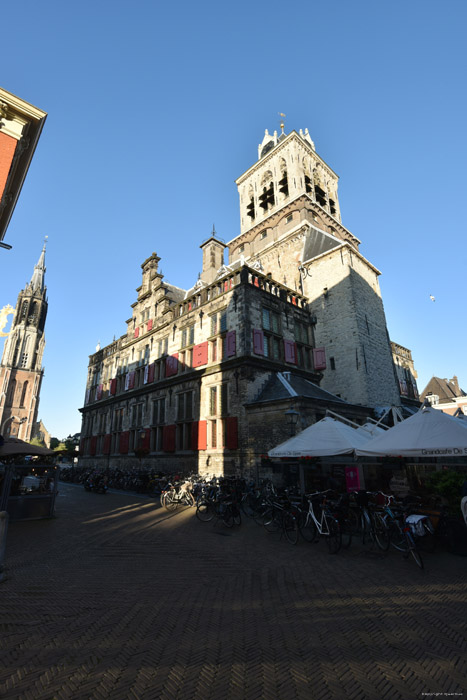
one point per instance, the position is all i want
(283, 385)
(317, 243)
(446, 389)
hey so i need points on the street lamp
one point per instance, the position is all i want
(23, 420)
(292, 417)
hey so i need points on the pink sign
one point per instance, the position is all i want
(352, 479)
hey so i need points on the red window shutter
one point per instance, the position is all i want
(171, 365)
(202, 435)
(113, 385)
(106, 447)
(258, 342)
(136, 334)
(168, 438)
(7, 149)
(226, 285)
(99, 392)
(151, 370)
(199, 435)
(200, 354)
(294, 300)
(131, 380)
(256, 282)
(231, 433)
(124, 442)
(149, 326)
(290, 351)
(231, 343)
(92, 450)
(319, 358)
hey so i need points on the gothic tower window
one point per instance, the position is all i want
(266, 198)
(283, 182)
(24, 311)
(11, 396)
(23, 395)
(308, 179)
(320, 194)
(250, 210)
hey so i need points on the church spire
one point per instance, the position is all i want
(37, 279)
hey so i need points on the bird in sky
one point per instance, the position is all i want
(432, 297)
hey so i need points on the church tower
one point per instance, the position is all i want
(21, 369)
(291, 230)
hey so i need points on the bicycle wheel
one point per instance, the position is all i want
(227, 516)
(260, 514)
(355, 520)
(346, 532)
(380, 533)
(271, 520)
(237, 516)
(204, 511)
(412, 549)
(307, 528)
(334, 541)
(170, 503)
(290, 527)
(249, 505)
(397, 537)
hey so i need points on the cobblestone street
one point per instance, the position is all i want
(116, 598)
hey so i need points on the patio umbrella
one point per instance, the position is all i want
(429, 433)
(14, 446)
(325, 438)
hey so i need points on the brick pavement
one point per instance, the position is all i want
(115, 598)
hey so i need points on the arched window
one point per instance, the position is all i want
(250, 209)
(23, 395)
(11, 395)
(283, 182)
(266, 198)
(24, 310)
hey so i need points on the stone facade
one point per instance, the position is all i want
(21, 369)
(189, 385)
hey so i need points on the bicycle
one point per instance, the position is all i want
(325, 526)
(369, 521)
(172, 497)
(284, 517)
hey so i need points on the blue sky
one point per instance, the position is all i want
(156, 108)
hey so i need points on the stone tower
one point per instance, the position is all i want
(291, 230)
(21, 366)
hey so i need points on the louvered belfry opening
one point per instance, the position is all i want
(332, 206)
(267, 199)
(308, 184)
(320, 195)
(250, 210)
(284, 184)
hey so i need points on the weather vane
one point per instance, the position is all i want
(282, 116)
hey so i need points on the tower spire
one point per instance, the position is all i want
(37, 279)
